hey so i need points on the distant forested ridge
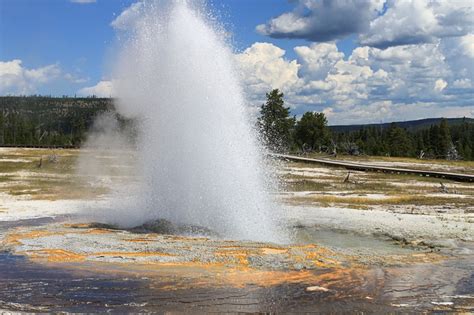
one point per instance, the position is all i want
(64, 121)
(43, 121)
(451, 139)
(409, 125)
(436, 138)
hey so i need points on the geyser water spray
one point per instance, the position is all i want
(200, 160)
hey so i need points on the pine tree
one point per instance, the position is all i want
(399, 142)
(444, 140)
(275, 122)
(2, 128)
(434, 135)
(311, 131)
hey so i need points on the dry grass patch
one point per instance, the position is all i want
(12, 167)
(6, 178)
(55, 189)
(426, 164)
(416, 200)
(305, 186)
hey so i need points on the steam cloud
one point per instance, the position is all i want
(198, 158)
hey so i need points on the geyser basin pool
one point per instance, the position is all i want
(51, 279)
(198, 154)
(87, 269)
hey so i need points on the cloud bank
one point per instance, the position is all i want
(371, 85)
(415, 59)
(322, 20)
(101, 89)
(16, 79)
(419, 21)
(378, 23)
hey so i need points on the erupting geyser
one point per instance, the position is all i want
(201, 162)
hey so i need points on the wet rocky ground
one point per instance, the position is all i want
(58, 266)
(373, 243)
(28, 287)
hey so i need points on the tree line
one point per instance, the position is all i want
(45, 120)
(64, 121)
(282, 132)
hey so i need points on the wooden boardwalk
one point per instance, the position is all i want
(376, 168)
(337, 163)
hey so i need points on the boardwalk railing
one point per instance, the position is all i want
(376, 168)
(337, 163)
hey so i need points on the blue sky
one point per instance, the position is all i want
(349, 58)
(75, 36)
(78, 36)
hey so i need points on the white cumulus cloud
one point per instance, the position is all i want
(128, 17)
(467, 45)
(372, 84)
(440, 85)
(419, 21)
(320, 21)
(317, 59)
(101, 89)
(264, 67)
(15, 79)
(378, 23)
(462, 84)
